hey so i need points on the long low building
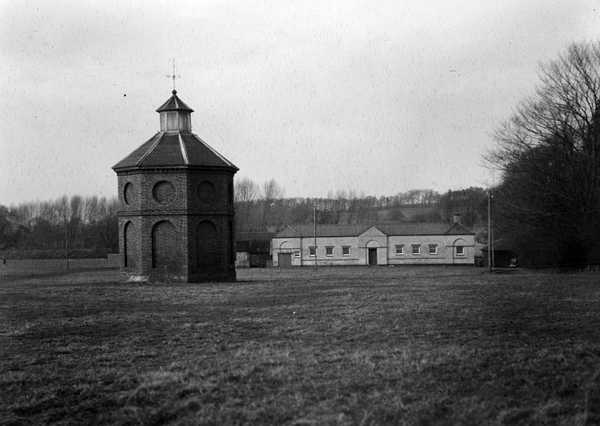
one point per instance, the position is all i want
(380, 244)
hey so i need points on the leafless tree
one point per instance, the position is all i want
(549, 154)
(245, 190)
(272, 190)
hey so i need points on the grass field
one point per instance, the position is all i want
(333, 346)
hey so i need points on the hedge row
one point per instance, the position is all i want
(53, 253)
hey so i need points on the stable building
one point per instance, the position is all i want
(379, 244)
(176, 193)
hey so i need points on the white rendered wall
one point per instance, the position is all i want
(386, 249)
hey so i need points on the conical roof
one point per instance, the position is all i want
(174, 104)
(173, 149)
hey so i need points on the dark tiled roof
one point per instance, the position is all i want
(459, 229)
(166, 149)
(322, 231)
(408, 228)
(254, 236)
(174, 104)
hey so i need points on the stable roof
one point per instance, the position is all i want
(402, 228)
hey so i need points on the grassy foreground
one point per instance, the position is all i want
(335, 346)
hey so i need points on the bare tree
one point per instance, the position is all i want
(246, 190)
(272, 190)
(549, 153)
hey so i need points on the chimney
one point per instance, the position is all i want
(456, 218)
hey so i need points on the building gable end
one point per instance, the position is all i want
(372, 231)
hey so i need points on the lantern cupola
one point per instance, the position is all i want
(175, 115)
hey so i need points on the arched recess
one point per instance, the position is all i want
(284, 246)
(372, 244)
(207, 245)
(231, 244)
(458, 247)
(230, 194)
(129, 257)
(164, 246)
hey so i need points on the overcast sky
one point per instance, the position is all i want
(379, 97)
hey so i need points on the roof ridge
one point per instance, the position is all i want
(152, 147)
(183, 150)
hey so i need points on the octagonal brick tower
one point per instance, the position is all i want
(177, 214)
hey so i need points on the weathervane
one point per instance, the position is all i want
(173, 76)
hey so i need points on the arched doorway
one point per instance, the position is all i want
(128, 246)
(372, 252)
(207, 245)
(284, 257)
(164, 246)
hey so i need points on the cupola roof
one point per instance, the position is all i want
(174, 104)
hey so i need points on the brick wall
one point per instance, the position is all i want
(183, 207)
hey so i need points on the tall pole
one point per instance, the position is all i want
(315, 231)
(490, 244)
(492, 229)
(66, 244)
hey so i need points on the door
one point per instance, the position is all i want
(373, 256)
(284, 260)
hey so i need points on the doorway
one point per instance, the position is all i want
(284, 260)
(372, 256)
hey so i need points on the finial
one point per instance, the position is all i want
(173, 76)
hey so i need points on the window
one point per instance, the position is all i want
(460, 251)
(329, 251)
(297, 253)
(416, 249)
(399, 249)
(432, 248)
(312, 251)
(346, 250)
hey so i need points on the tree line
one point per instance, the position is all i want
(75, 226)
(263, 207)
(80, 226)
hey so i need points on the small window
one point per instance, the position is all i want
(346, 250)
(297, 253)
(399, 249)
(432, 248)
(312, 251)
(460, 251)
(416, 249)
(329, 251)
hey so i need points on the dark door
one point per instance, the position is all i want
(284, 259)
(372, 256)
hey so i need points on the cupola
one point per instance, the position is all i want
(175, 115)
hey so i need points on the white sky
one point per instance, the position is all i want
(379, 97)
